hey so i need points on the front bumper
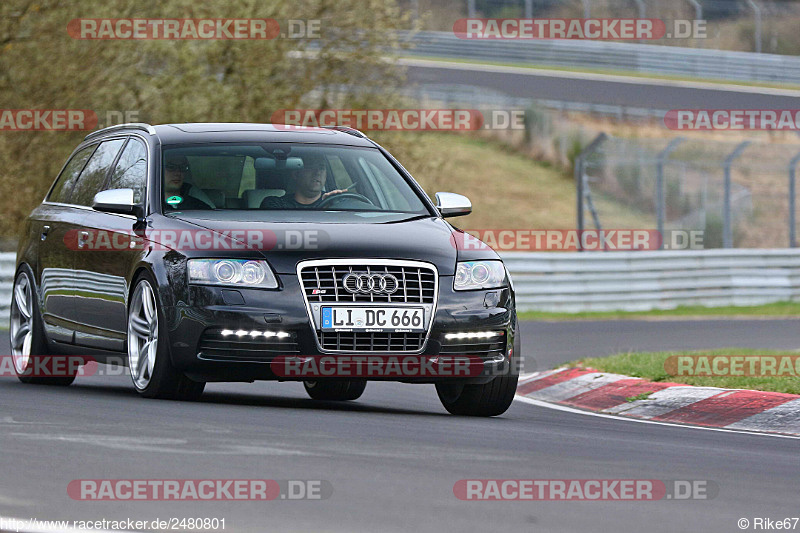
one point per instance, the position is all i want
(212, 309)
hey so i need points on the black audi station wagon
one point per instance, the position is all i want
(198, 253)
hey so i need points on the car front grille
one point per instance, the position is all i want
(412, 283)
(213, 345)
(371, 342)
(324, 283)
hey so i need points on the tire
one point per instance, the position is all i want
(149, 359)
(490, 399)
(26, 334)
(335, 390)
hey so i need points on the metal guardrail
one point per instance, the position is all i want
(639, 281)
(644, 58)
(455, 95)
(626, 281)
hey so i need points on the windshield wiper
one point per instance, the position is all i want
(409, 219)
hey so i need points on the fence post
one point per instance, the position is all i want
(471, 9)
(660, 199)
(792, 207)
(415, 10)
(587, 9)
(757, 11)
(727, 230)
(698, 15)
(580, 179)
(698, 9)
(528, 9)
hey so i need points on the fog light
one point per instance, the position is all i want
(473, 335)
(255, 333)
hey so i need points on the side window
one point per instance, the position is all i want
(93, 176)
(131, 170)
(66, 181)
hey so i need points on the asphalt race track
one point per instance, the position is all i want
(393, 457)
(634, 92)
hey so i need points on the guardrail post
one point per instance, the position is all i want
(587, 9)
(580, 179)
(757, 12)
(642, 12)
(727, 230)
(528, 9)
(471, 8)
(792, 207)
(660, 197)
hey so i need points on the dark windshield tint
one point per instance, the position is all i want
(284, 177)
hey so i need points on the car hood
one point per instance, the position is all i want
(428, 239)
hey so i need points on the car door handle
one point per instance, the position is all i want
(45, 231)
(83, 236)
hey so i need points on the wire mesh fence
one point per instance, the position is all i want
(740, 194)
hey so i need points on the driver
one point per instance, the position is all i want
(309, 184)
(176, 189)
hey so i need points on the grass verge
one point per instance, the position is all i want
(650, 366)
(774, 310)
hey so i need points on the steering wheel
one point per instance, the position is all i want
(345, 196)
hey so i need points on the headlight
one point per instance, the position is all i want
(473, 275)
(233, 272)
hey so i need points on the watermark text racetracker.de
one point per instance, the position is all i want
(733, 365)
(617, 29)
(377, 366)
(584, 489)
(97, 240)
(192, 29)
(22, 120)
(402, 119)
(198, 489)
(733, 119)
(534, 240)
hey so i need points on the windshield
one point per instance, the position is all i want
(283, 177)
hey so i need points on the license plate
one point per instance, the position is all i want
(373, 318)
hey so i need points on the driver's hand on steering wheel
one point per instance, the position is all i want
(331, 193)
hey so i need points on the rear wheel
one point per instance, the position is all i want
(26, 332)
(338, 390)
(148, 349)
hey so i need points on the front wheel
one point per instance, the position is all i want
(490, 399)
(148, 349)
(338, 391)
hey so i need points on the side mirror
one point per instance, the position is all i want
(453, 205)
(116, 201)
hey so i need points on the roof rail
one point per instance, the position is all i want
(347, 129)
(130, 126)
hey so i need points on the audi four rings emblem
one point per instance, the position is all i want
(364, 283)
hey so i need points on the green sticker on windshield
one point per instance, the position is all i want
(173, 200)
